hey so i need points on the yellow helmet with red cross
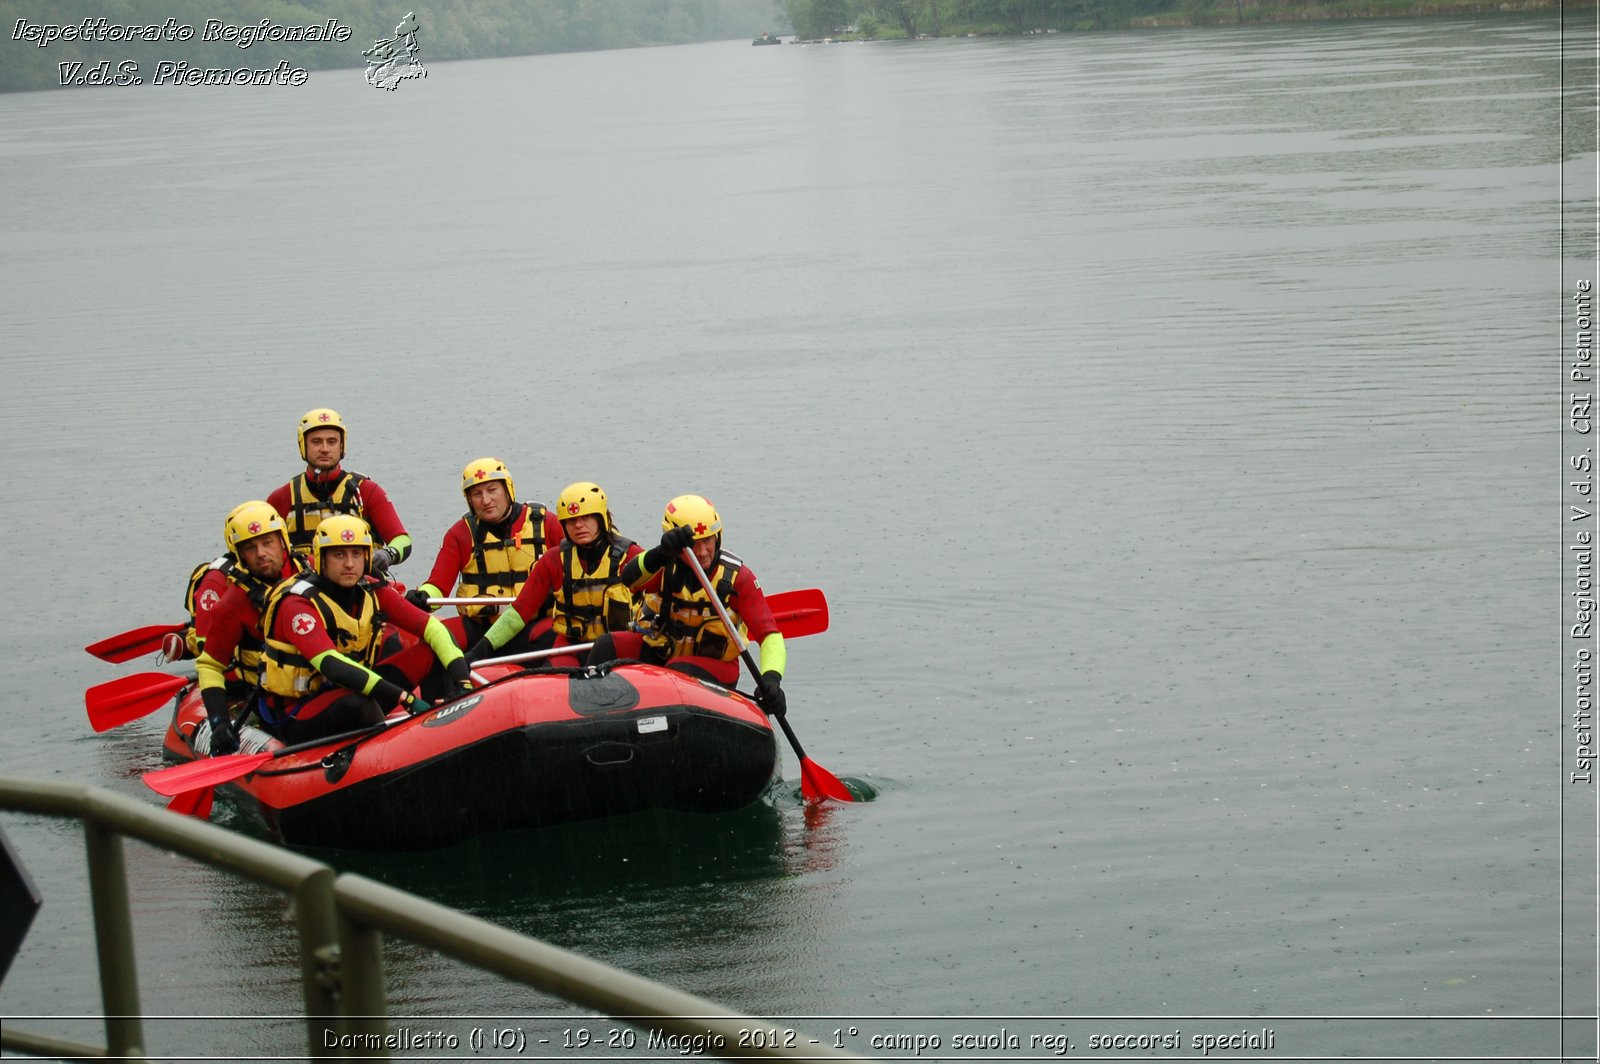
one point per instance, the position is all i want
(249, 520)
(483, 470)
(584, 497)
(341, 530)
(695, 511)
(322, 418)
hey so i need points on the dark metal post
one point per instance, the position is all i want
(113, 934)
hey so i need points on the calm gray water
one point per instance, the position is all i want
(1172, 419)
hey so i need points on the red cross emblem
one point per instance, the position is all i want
(699, 529)
(255, 526)
(480, 474)
(323, 417)
(302, 624)
(572, 507)
(348, 535)
(208, 601)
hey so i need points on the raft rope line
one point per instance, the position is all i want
(322, 764)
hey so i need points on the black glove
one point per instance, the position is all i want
(770, 695)
(415, 705)
(674, 539)
(382, 558)
(480, 650)
(224, 740)
(419, 598)
(460, 673)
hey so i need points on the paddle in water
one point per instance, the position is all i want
(816, 782)
(196, 803)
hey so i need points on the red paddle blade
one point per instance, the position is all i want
(129, 698)
(128, 645)
(797, 623)
(800, 613)
(817, 783)
(207, 772)
(194, 803)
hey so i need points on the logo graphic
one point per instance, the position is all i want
(452, 712)
(255, 526)
(572, 507)
(302, 624)
(324, 417)
(208, 601)
(392, 61)
(348, 535)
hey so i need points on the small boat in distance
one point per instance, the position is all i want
(768, 38)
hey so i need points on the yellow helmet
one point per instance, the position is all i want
(341, 530)
(321, 418)
(584, 497)
(483, 470)
(249, 520)
(695, 511)
(581, 498)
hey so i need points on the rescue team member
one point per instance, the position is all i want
(326, 489)
(679, 626)
(490, 551)
(323, 633)
(207, 584)
(580, 584)
(229, 663)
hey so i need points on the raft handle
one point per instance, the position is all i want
(606, 755)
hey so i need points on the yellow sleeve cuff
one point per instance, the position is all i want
(774, 655)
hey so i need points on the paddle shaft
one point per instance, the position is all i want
(553, 652)
(225, 768)
(512, 659)
(755, 670)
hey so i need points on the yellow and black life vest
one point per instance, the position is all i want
(681, 619)
(307, 510)
(249, 650)
(284, 672)
(499, 567)
(587, 605)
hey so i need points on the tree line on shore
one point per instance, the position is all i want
(813, 19)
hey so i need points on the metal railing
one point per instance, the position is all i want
(341, 920)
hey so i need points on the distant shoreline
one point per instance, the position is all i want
(1212, 13)
(1228, 14)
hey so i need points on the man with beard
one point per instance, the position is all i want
(229, 662)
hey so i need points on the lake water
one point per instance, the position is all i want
(1174, 421)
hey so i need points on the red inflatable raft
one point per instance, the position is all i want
(530, 749)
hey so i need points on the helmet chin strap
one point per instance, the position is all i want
(318, 476)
